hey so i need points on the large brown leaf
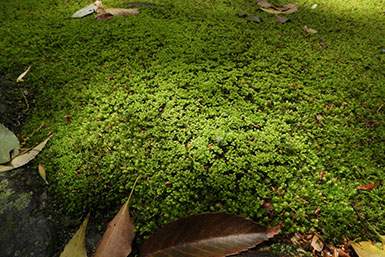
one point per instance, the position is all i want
(212, 234)
(117, 240)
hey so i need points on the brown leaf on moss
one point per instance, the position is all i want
(211, 235)
(367, 187)
(104, 17)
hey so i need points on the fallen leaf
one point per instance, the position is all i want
(286, 9)
(76, 247)
(9, 145)
(367, 187)
(367, 249)
(210, 234)
(313, 6)
(264, 4)
(317, 243)
(42, 173)
(89, 9)
(309, 30)
(322, 43)
(255, 18)
(22, 75)
(104, 16)
(117, 240)
(139, 4)
(122, 11)
(23, 159)
(281, 19)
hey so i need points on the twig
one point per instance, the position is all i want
(25, 99)
(380, 107)
(362, 221)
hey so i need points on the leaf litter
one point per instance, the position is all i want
(103, 12)
(20, 78)
(76, 247)
(9, 145)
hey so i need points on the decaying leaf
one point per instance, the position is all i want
(117, 240)
(368, 249)
(42, 173)
(89, 9)
(317, 243)
(367, 187)
(104, 16)
(255, 18)
(23, 159)
(22, 75)
(309, 30)
(139, 4)
(264, 4)
(286, 9)
(121, 11)
(76, 247)
(211, 234)
(281, 19)
(9, 145)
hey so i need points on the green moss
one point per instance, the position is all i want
(216, 113)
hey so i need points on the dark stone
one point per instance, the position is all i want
(23, 231)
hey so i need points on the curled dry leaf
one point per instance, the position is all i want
(286, 9)
(211, 235)
(367, 187)
(22, 75)
(25, 158)
(76, 247)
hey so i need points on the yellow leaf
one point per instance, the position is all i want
(23, 159)
(20, 78)
(286, 10)
(367, 249)
(121, 11)
(42, 173)
(76, 247)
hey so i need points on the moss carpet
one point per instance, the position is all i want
(216, 113)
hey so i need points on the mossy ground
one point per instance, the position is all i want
(214, 112)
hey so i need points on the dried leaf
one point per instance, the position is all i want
(313, 6)
(309, 30)
(89, 9)
(42, 173)
(211, 234)
(367, 187)
(104, 16)
(118, 11)
(279, 10)
(139, 4)
(76, 247)
(9, 145)
(317, 243)
(255, 18)
(368, 249)
(117, 240)
(22, 75)
(264, 4)
(281, 19)
(23, 159)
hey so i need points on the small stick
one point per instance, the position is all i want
(362, 221)
(380, 107)
(25, 99)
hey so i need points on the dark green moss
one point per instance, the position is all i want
(216, 113)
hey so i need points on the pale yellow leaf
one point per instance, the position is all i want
(23, 159)
(283, 11)
(22, 75)
(309, 30)
(42, 173)
(121, 11)
(264, 4)
(367, 249)
(76, 247)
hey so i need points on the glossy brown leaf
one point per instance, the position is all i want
(212, 234)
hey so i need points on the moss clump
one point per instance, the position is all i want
(216, 113)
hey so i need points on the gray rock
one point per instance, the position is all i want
(23, 232)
